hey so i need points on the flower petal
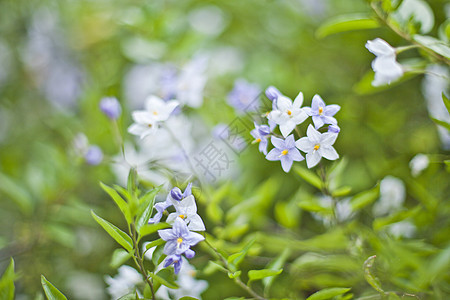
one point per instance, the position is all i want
(287, 127)
(193, 238)
(328, 139)
(298, 101)
(289, 142)
(196, 223)
(278, 143)
(286, 163)
(312, 159)
(295, 155)
(284, 103)
(313, 135)
(331, 110)
(304, 144)
(316, 103)
(329, 153)
(170, 247)
(167, 234)
(274, 154)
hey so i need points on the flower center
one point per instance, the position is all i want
(258, 140)
(149, 125)
(320, 110)
(289, 112)
(284, 152)
(182, 216)
(179, 240)
(316, 147)
(155, 113)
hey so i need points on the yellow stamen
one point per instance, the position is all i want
(316, 147)
(289, 112)
(258, 140)
(179, 240)
(149, 125)
(320, 110)
(182, 216)
(284, 152)
(155, 113)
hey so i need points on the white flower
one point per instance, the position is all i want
(124, 282)
(191, 82)
(186, 209)
(402, 229)
(385, 66)
(392, 196)
(317, 145)
(156, 110)
(418, 163)
(287, 114)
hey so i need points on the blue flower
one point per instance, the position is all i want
(160, 208)
(175, 260)
(179, 239)
(110, 107)
(176, 193)
(93, 155)
(285, 152)
(260, 134)
(272, 93)
(322, 113)
(245, 96)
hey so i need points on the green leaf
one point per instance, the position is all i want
(187, 298)
(341, 192)
(146, 208)
(446, 102)
(328, 293)
(123, 206)
(7, 282)
(260, 274)
(309, 176)
(51, 292)
(235, 259)
(365, 198)
(131, 296)
(276, 264)
(154, 243)
(119, 257)
(234, 275)
(16, 193)
(370, 278)
(346, 23)
(165, 277)
(441, 123)
(118, 235)
(157, 255)
(151, 228)
(433, 44)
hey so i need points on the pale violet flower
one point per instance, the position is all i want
(188, 286)
(418, 163)
(186, 210)
(110, 106)
(392, 196)
(285, 152)
(123, 283)
(334, 129)
(245, 96)
(93, 155)
(160, 207)
(176, 193)
(272, 93)
(322, 113)
(287, 114)
(179, 239)
(261, 133)
(156, 110)
(385, 65)
(317, 145)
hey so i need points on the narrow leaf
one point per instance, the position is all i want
(433, 44)
(365, 198)
(446, 102)
(235, 259)
(276, 264)
(370, 278)
(328, 293)
(118, 235)
(118, 200)
(7, 282)
(441, 123)
(346, 23)
(119, 257)
(151, 228)
(309, 177)
(260, 274)
(146, 208)
(165, 277)
(51, 292)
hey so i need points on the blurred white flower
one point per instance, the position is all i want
(385, 65)
(418, 163)
(209, 20)
(86, 286)
(402, 229)
(434, 84)
(191, 82)
(188, 285)
(123, 283)
(392, 196)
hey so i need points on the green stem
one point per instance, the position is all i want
(236, 279)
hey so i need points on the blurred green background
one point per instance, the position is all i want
(59, 58)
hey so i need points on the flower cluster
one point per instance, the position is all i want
(287, 114)
(179, 238)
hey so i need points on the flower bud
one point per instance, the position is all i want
(334, 129)
(176, 194)
(94, 155)
(272, 93)
(110, 106)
